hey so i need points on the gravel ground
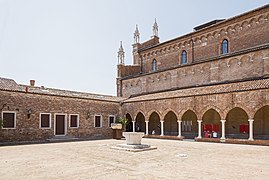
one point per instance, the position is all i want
(172, 160)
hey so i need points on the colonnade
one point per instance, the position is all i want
(223, 121)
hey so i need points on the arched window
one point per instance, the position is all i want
(224, 46)
(184, 57)
(154, 65)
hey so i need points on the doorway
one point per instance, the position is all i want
(60, 124)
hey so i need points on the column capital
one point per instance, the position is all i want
(250, 120)
(146, 121)
(199, 121)
(223, 120)
(133, 121)
(162, 121)
(179, 121)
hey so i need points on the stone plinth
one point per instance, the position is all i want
(133, 138)
(133, 143)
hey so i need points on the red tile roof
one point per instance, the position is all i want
(11, 85)
(213, 89)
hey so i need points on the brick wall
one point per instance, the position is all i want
(247, 65)
(28, 129)
(242, 32)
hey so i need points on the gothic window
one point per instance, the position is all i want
(184, 57)
(154, 65)
(224, 46)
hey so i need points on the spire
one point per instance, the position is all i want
(155, 28)
(121, 54)
(136, 35)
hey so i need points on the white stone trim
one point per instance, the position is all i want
(70, 120)
(101, 119)
(40, 121)
(65, 122)
(15, 118)
(109, 120)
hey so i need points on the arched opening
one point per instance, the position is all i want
(170, 124)
(211, 123)
(154, 123)
(154, 65)
(140, 123)
(189, 125)
(261, 123)
(237, 124)
(184, 57)
(129, 125)
(224, 46)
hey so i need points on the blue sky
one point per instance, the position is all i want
(73, 44)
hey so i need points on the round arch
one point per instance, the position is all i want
(189, 124)
(170, 124)
(236, 125)
(154, 123)
(211, 122)
(261, 123)
(140, 122)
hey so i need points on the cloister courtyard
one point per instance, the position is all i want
(173, 159)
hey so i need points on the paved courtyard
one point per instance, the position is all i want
(172, 160)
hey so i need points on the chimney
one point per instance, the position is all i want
(32, 82)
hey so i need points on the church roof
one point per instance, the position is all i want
(205, 90)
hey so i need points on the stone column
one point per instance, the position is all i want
(147, 127)
(199, 129)
(133, 126)
(179, 128)
(250, 121)
(162, 128)
(222, 129)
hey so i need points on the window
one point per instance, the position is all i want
(154, 65)
(224, 46)
(9, 120)
(184, 57)
(73, 118)
(45, 120)
(97, 121)
(111, 120)
(186, 126)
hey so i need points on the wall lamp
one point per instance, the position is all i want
(88, 115)
(29, 112)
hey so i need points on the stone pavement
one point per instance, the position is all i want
(172, 160)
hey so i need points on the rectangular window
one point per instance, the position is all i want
(73, 120)
(111, 120)
(187, 126)
(9, 120)
(97, 121)
(44, 120)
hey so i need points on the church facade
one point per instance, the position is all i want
(213, 81)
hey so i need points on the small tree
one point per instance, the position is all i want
(123, 121)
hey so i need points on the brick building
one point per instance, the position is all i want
(214, 79)
(40, 113)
